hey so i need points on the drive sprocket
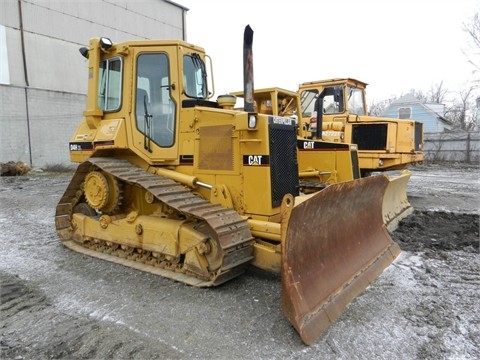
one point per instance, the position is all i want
(102, 191)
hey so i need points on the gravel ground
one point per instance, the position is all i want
(57, 304)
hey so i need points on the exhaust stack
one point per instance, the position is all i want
(248, 69)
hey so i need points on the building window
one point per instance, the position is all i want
(404, 113)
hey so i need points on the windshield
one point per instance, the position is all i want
(194, 77)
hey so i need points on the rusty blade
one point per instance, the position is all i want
(335, 246)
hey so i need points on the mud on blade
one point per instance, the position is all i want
(335, 246)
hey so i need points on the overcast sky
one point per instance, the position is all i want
(394, 46)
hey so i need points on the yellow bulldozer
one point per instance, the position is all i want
(323, 162)
(176, 184)
(383, 143)
(339, 108)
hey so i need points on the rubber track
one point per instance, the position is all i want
(234, 236)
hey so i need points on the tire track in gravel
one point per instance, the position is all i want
(32, 328)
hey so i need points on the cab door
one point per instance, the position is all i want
(154, 107)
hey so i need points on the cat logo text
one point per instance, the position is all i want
(256, 160)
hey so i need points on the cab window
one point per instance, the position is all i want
(194, 77)
(154, 106)
(110, 84)
(333, 100)
(307, 100)
(355, 101)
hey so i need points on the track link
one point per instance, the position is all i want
(232, 232)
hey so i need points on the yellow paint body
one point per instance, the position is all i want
(195, 190)
(383, 143)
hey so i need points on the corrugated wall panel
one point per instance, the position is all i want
(9, 13)
(159, 19)
(77, 22)
(15, 59)
(53, 60)
(40, 20)
(55, 64)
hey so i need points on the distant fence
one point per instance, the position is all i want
(461, 146)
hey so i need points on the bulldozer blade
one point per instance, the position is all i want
(334, 245)
(395, 205)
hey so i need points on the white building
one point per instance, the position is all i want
(43, 77)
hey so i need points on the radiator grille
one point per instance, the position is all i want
(283, 162)
(370, 136)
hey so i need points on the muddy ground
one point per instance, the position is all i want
(57, 304)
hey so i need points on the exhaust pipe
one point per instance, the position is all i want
(248, 69)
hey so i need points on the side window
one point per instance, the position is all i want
(329, 104)
(110, 84)
(154, 107)
(194, 77)
(333, 100)
(355, 101)
(307, 100)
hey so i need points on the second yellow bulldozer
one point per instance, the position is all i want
(339, 107)
(173, 183)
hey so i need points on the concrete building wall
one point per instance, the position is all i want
(54, 116)
(43, 89)
(14, 144)
(37, 124)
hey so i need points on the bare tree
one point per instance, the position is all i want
(420, 95)
(377, 108)
(473, 29)
(462, 113)
(437, 94)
